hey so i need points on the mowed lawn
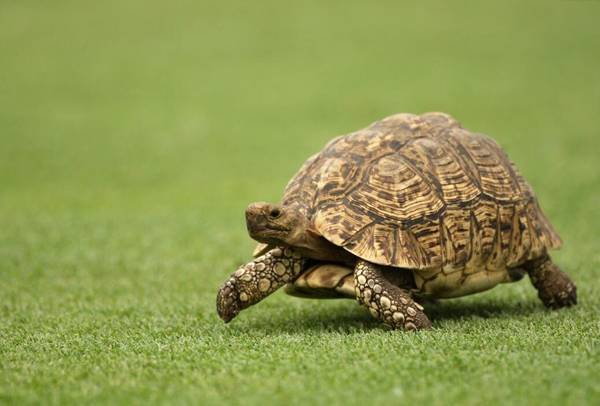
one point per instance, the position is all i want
(134, 134)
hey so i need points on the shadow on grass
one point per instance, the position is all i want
(348, 320)
(455, 310)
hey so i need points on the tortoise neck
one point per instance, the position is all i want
(315, 246)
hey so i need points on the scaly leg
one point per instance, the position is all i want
(385, 301)
(257, 280)
(554, 287)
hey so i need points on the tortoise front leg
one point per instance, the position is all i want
(385, 301)
(256, 280)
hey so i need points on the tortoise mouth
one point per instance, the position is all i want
(266, 232)
(276, 227)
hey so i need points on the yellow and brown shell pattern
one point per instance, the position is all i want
(422, 192)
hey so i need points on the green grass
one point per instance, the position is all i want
(132, 136)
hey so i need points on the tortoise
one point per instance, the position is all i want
(409, 208)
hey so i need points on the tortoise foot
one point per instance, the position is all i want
(555, 288)
(387, 302)
(229, 304)
(256, 280)
(557, 291)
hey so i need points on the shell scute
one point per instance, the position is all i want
(394, 190)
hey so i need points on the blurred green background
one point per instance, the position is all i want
(134, 133)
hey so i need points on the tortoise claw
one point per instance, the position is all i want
(555, 288)
(228, 302)
(562, 293)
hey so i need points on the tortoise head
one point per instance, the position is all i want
(275, 224)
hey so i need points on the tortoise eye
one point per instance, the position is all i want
(275, 213)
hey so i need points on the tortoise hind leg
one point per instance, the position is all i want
(554, 287)
(387, 302)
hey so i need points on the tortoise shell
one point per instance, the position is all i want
(422, 192)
